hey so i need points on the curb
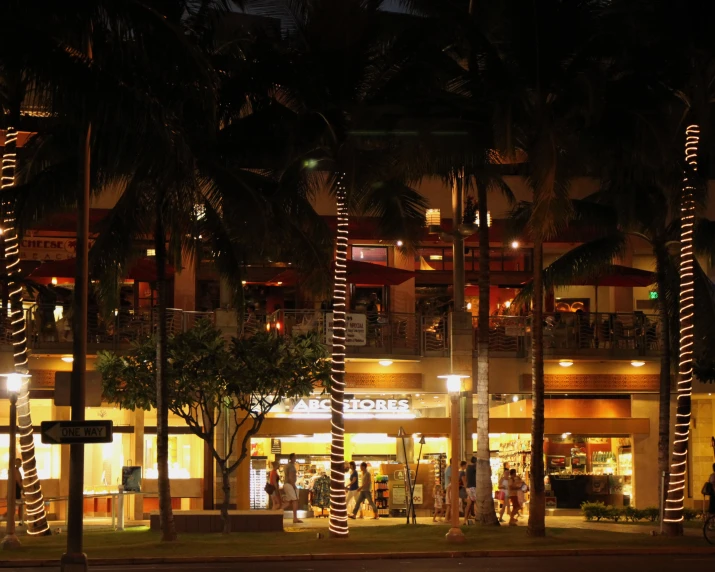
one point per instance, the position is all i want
(462, 554)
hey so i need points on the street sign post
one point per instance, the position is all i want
(76, 432)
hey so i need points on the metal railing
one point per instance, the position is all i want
(370, 333)
(373, 334)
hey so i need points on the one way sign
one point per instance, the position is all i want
(68, 432)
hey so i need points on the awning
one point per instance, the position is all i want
(357, 273)
(142, 270)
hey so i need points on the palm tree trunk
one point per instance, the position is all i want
(36, 516)
(166, 515)
(338, 525)
(485, 499)
(537, 503)
(673, 519)
(661, 255)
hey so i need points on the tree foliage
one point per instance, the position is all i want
(211, 382)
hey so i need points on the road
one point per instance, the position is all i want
(658, 563)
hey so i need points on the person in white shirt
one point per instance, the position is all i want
(365, 493)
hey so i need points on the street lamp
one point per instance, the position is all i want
(454, 387)
(13, 385)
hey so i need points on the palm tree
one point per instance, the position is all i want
(364, 44)
(538, 73)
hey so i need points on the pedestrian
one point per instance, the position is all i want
(471, 486)
(515, 484)
(290, 490)
(275, 480)
(438, 502)
(448, 491)
(365, 491)
(711, 480)
(503, 493)
(352, 487)
(18, 488)
(462, 485)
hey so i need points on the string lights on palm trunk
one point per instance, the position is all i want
(338, 526)
(36, 516)
(678, 468)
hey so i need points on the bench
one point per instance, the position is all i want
(205, 521)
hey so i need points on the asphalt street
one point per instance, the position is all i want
(659, 563)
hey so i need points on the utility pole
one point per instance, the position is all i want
(74, 560)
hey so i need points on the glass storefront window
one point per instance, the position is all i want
(47, 458)
(186, 457)
(103, 463)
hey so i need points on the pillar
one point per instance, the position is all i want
(185, 286)
(136, 508)
(461, 354)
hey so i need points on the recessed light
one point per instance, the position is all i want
(515, 244)
(637, 363)
(399, 243)
(385, 362)
(436, 396)
(566, 362)
(515, 398)
(417, 394)
(67, 359)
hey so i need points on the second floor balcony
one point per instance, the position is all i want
(370, 334)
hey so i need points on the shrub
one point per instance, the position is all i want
(632, 513)
(613, 513)
(593, 510)
(651, 513)
(691, 514)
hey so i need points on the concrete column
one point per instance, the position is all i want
(136, 508)
(461, 354)
(645, 453)
(185, 286)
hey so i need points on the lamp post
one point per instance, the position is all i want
(454, 387)
(14, 383)
(408, 483)
(414, 483)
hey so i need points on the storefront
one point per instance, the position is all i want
(578, 468)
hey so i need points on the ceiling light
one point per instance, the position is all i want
(67, 359)
(399, 243)
(515, 398)
(564, 435)
(507, 304)
(417, 394)
(566, 362)
(436, 396)
(435, 257)
(515, 244)
(151, 252)
(637, 363)
(469, 305)
(385, 362)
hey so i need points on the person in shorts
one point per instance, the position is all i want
(515, 484)
(290, 490)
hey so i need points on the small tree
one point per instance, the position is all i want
(210, 381)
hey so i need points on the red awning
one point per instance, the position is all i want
(143, 270)
(358, 273)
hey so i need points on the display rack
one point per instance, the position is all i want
(439, 466)
(259, 478)
(382, 495)
(625, 469)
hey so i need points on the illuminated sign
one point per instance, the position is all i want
(355, 406)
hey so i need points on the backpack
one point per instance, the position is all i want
(707, 489)
(269, 488)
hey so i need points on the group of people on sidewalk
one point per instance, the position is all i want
(511, 491)
(283, 498)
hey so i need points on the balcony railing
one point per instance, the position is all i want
(372, 333)
(608, 335)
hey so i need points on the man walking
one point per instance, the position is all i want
(352, 487)
(365, 492)
(471, 489)
(290, 491)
